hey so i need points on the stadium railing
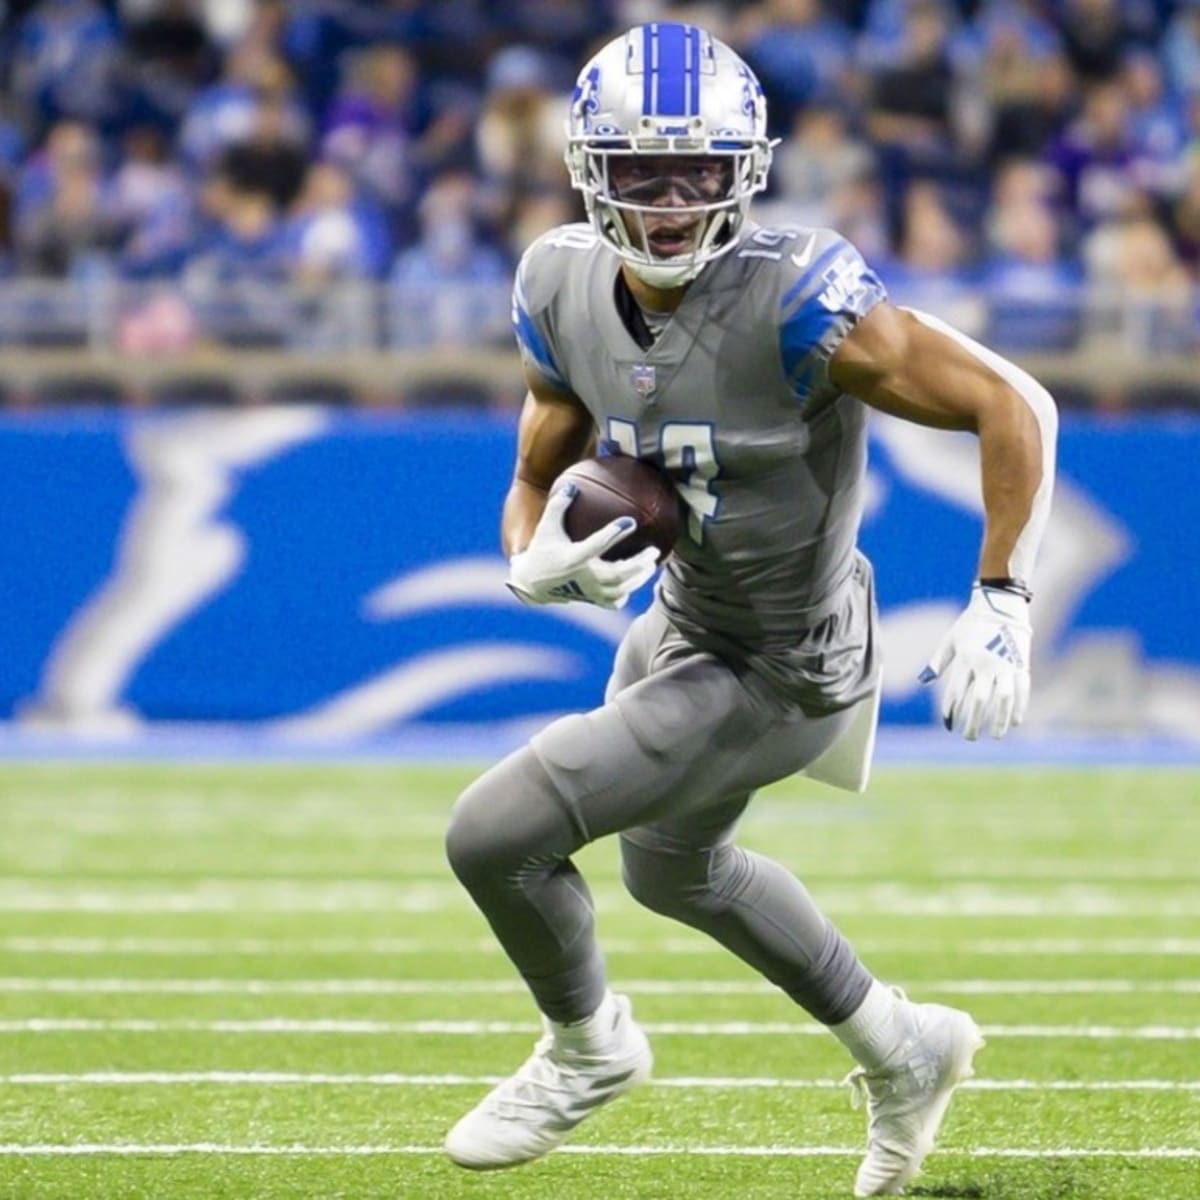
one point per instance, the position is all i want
(203, 341)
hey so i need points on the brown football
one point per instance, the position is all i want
(618, 485)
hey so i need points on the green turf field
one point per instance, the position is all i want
(263, 982)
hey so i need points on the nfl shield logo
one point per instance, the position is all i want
(643, 379)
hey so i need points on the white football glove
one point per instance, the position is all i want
(985, 660)
(553, 569)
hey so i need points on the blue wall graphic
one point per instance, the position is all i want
(338, 574)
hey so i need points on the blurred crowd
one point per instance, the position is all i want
(1029, 151)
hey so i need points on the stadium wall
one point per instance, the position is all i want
(336, 574)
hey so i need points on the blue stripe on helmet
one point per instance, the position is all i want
(670, 100)
(649, 43)
(693, 70)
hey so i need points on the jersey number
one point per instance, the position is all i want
(687, 451)
(570, 237)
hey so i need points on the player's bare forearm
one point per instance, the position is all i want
(897, 364)
(555, 430)
(523, 507)
(1010, 450)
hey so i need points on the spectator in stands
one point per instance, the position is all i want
(1146, 298)
(152, 203)
(158, 245)
(332, 233)
(73, 234)
(1001, 31)
(321, 38)
(931, 271)
(66, 61)
(882, 42)
(857, 211)
(228, 111)
(1096, 158)
(1183, 213)
(168, 58)
(67, 144)
(538, 213)
(910, 102)
(519, 138)
(1033, 289)
(1097, 34)
(147, 179)
(385, 130)
(818, 158)
(272, 157)
(60, 184)
(799, 53)
(1157, 122)
(452, 287)
(1030, 111)
(243, 237)
(228, 22)
(909, 118)
(1181, 49)
(370, 127)
(564, 29)
(1006, 49)
(1023, 183)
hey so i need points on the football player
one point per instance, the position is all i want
(743, 360)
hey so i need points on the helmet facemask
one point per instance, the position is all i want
(668, 205)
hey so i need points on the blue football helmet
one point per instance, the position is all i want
(667, 141)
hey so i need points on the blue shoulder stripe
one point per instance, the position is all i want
(532, 342)
(838, 294)
(813, 272)
(799, 334)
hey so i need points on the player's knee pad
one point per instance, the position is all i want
(510, 816)
(470, 847)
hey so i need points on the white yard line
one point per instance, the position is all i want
(175, 1149)
(291, 1026)
(499, 987)
(1022, 947)
(349, 896)
(389, 946)
(685, 1083)
(50, 856)
(238, 947)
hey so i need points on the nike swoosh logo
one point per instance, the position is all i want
(804, 257)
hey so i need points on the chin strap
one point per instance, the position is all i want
(673, 273)
(665, 275)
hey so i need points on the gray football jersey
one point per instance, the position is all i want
(734, 400)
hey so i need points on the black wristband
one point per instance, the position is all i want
(1007, 583)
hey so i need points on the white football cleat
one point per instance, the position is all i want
(906, 1102)
(531, 1112)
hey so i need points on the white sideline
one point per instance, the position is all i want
(288, 1025)
(646, 987)
(682, 1082)
(999, 947)
(175, 1149)
(364, 987)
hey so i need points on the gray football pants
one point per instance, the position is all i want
(669, 762)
